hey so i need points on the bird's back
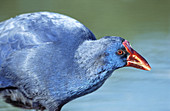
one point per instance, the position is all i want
(32, 29)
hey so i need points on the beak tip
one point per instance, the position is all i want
(149, 68)
(146, 67)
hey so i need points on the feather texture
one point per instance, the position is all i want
(48, 59)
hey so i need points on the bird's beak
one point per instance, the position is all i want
(135, 59)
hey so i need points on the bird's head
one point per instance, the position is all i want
(120, 53)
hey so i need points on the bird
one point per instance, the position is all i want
(48, 59)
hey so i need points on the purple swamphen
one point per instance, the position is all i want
(48, 59)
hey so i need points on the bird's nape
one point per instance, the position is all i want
(135, 59)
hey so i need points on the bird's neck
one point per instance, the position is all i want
(91, 57)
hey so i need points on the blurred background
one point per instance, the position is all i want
(145, 23)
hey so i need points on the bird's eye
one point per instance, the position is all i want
(120, 52)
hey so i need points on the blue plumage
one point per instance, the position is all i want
(48, 59)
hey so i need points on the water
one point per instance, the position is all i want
(146, 24)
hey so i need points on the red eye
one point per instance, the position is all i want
(120, 52)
